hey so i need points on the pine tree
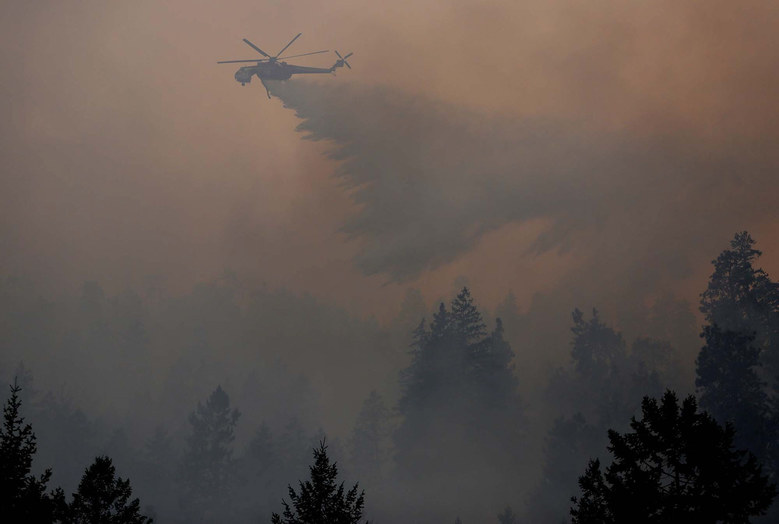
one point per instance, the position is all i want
(730, 389)
(466, 318)
(104, 498)
(597, 349)
(491, 369)
(569, 442)
(208, 460)
(743, 299)
(738, 366)
(23, 496)
(676, 465)
(320, 500)
(602, 389)
(459, 399)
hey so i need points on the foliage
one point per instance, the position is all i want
(208, 461)
(676, 465)
(740, 359)
(456, 360)
(743, 299)
(730, 389)
(740, 297)
(23, 496)
(569, 441)
(320, 500)
(103, 498)
(597, 350)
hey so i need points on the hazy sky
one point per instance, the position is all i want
(635, 138)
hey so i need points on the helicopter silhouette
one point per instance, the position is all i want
(274, 67)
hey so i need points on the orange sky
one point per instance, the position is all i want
(127, 152)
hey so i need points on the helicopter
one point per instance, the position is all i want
(271, 68)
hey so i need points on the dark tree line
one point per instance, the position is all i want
(738, 366)
(460, 427)
(101, 498)
(321, 500)
(677, 464)
(461, 415)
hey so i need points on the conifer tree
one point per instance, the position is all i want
(597, 349)
(676, 465)
(23, 496)
(208, 464)
(738, 366)
(743, 299)
(104, 498)
(320, 500)
(459, 399)
(466, 318)
(730, 389)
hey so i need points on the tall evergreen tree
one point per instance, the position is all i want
(601, 389)
(597, 350)
(730, 389)
(738, 367)
(459, 399)
(23, 496)
(208, 463)
(104, 498)
(320, 500)
(466, 318)
(676, 465)
(568, 444)
(743, 299)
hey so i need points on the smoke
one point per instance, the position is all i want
(429, 180)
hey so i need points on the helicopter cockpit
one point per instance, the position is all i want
(243, 75)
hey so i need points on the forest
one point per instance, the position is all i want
(208, 407)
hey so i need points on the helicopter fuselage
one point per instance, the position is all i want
(275, 71)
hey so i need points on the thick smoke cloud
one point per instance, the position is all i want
(430, 179)
(128, 152)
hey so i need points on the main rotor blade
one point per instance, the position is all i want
(286, 46)
(263, 53)
(339, 54)
(305, 54)
(236, 61)
(347, 56)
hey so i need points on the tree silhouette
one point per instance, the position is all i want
(677, 465)
(23, 496)
(103, 498)
(320, 500)
(466, 319)
(208, 461)
(730, 389)
(738, 366)
(459, 398)
(743, 299)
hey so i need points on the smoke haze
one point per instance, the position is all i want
(547, 154)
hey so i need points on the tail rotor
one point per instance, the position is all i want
(342, 60)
